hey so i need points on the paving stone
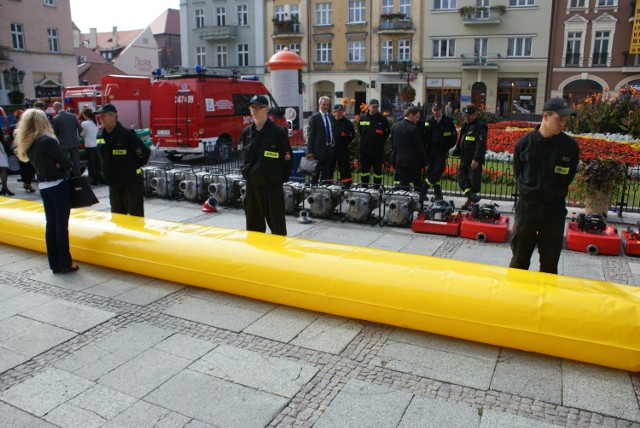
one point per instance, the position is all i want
(635, 268)
(148, 293)
(147, 415)
(427, 412)
(185, 346)
(529, 375)
(29, 337)
(492, 254)
(10, 359)
(12, 417)
(27, 264)
(102, 401)
(20, 303)
(359, 403)
(116, 286)
(328, 334)
(70, 416)
(445, 344)
(270, 374)
(283, 323)
(497, 419)
(392, 242)
(422, 246)
(197, 424)
(134, 339)
(349, 236)
(45, 391)
(215, 401)
(69, 315)
(592, 388)
(234, 301)
(574, 265)
(77, 281)
(144, 373)
(7, 291)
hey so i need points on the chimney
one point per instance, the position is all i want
(93, 38)
(114, 37)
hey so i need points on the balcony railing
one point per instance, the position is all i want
(572, 60)
(473, 60)
(395, 24)
(218, 33)
(394, 66)
(286, 27)
(483, 16)
(600, 59)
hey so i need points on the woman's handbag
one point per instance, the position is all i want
(81, 193)
(307, 167)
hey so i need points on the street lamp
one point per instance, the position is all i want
(409, 72)
(13, 77)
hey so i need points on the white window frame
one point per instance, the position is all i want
(279, 13)
(17, 36)
(294, 9)
(445, 4)
(222, 57)
(573, 40)
(600, 39)
(199, 18)
(404, 50)
(386, 51)
(448, 45)
(294, 47)
(49, 3)
(323, 52)
(279, 47)
(600, 25)
(405, 7)
(242, 13)
(201, 56)
(578, 4)
(221, 16)
(357, 11)
(356, 51)
(522, 3)
(519, 47)
(243, 54)
(387, 6)
(324, 14)
(610, 3)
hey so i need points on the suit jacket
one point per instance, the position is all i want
(408, 150)
(67, 129)
(317, 135)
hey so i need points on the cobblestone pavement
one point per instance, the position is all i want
(107, 348)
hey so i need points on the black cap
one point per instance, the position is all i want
(436, 106)
(338, 107)
(374, 102)
(559, 105)
(470, 109)
(107, 108)
(260, 100)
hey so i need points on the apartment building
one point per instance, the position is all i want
(36, 49)
(591, 45)
(357, 50)
(223, 35)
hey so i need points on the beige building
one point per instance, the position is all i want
(36, 49)
(353, 49)
(487, 52)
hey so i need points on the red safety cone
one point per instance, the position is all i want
(210, 206)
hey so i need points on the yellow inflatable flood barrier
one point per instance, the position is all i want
(592, 321)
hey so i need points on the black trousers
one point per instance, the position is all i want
(128, 198)
(94, 164)
(367, 162)
(341, 158)
(436, 162)
(469, 178)
(541, 225)
(265, 203)
(324, 172)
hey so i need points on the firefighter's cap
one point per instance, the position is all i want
(338, 107)
(107, 108)
(374, 102)
(559, 105)
(469, 110)
(259, 100)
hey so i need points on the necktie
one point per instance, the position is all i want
(327, 125)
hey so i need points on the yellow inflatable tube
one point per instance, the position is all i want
(592, 321)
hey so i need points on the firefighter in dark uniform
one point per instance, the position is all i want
(123, 155)
(374, 132)
(440, 136)
(408, 154)
(343, 135)
(471, 147)
(267, 165)
(545, 162)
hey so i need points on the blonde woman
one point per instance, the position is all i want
(36, 143)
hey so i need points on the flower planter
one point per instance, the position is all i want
(598, 201)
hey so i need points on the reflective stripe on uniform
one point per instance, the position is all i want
(119, 152)
(274, 155)
(564, 170)
(470, 138)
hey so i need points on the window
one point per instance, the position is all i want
(480, 50)
(49, 2)
(221, 16)
(404, 50)
(201, 56)
(17, 36)
(519, 47)
(387, 6)
(405, 7)
(575, 4)
(574, 43)
(243, 55)
(295, 47)
(601, 47)
(356, 51)
(356, 11)
(605, 3)
(243, 15)
(482, 9)
(445, 4)
(323, 52)
(444, 48)
(279, 13)
(294, 9)
(279, 47)
(386, 51)
(520, 3)
(199, 18)
(221, 56)
(323, 14)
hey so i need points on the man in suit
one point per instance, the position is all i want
(67, 129)
(320, 143)
(408, 154)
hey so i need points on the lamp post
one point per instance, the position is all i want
(13, 77)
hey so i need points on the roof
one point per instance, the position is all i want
(105, 40)
(92, 72)
(167, 23)
(90, 55)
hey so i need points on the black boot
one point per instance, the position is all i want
(437, 192)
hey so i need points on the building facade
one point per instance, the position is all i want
(36, 50)
(590, 49)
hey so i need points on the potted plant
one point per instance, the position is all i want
(16, 97)
(600, 180)
(407, 94)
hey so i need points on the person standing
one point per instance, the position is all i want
(545, 162)
(90, 134)
(408, 154)
(374, 132)
(27, 172)
(448, 110)
(36, 143)
(67, 129)
(267, 165)
(471, 147)
(440, 135)
(320, 142)
(343, 135)
(123, 155)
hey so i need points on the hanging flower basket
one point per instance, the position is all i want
(407, 94)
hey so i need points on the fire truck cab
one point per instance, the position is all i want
(198, 114)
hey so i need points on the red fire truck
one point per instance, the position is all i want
(201, 114)
(131, 95)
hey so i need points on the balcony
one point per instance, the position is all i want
(473, 61)
(480, 17)
(572, 60)
(394, 66)
(218, 33)
(396, 25)
(287, 28)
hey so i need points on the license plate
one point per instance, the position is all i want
(163, 132)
